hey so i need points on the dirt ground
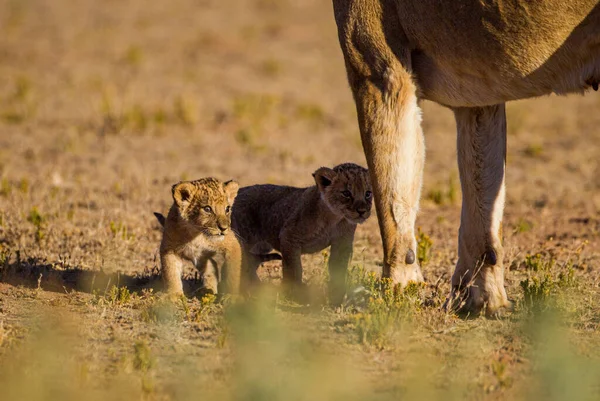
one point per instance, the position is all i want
(104, 105)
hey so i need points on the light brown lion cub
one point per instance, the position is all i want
(296, 221)
(197, 229)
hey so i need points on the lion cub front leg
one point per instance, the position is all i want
(339, 260)
(171, 272)
(209, 273)
(232, 268)
(291, 254)
(250, 265)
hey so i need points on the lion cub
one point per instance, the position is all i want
(197, 229)
(296, 221)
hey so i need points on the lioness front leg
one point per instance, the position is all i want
(339, 260)
(394, 148)
(478, 279)
(390, 125)
(171, 273)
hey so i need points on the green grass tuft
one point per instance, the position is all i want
(424, 245)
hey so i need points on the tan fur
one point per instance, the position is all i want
(473, 56)
(197, 229)
(296, 221)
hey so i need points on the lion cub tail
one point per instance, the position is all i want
(264, 252)
(268, 257)
(161, 219)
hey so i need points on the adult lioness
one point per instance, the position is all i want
(472, 56)
(296, 221)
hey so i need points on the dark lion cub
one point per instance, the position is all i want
(296, 221)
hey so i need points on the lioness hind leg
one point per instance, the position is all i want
(390, 126)
(478, 280)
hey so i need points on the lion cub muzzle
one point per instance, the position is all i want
(223, 225)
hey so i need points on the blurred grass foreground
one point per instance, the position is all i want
(383, 344)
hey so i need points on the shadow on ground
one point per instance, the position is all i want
(39, 273)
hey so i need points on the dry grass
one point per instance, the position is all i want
(103, 105)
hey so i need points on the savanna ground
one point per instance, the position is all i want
(104, 105)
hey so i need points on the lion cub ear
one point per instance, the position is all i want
(182, 193)
(231, 189)
(324, 176)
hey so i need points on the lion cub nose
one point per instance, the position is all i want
(361, 207)
(361, 210)
(224, 227)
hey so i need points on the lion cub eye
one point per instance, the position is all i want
(346, 194)
(207, 209)
(228, 209)
(368, 195)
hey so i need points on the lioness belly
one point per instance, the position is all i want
(473, 53)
